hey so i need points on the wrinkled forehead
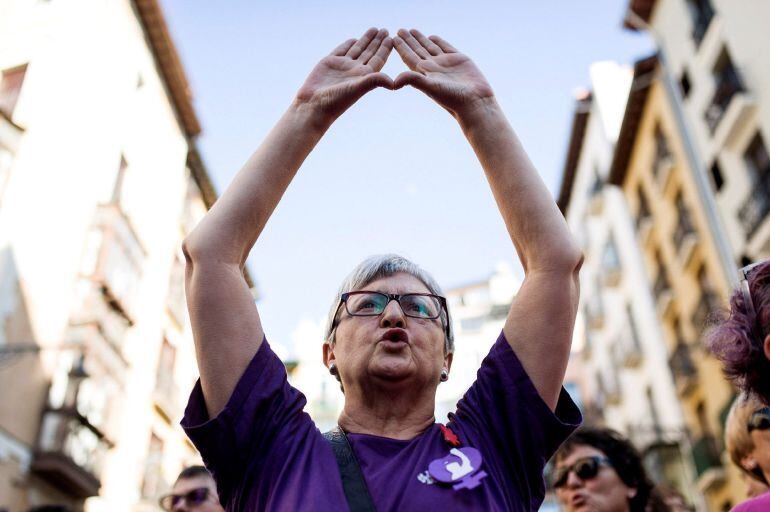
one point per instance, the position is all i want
(397, 283)
(185, 485)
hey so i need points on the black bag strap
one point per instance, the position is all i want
(353, 481)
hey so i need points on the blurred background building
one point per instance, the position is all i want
(100, 180)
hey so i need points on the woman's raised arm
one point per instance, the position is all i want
(225, 322)
(540, 323)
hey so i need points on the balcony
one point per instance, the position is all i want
(756, 206)
(167, 398)
(683, 368)
(70, 453)
(630, 352)
(708, 464)
(708, 303)
(664, 165)
(728, 85)
(685, 242)
(119, 261)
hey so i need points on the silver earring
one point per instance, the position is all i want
(444, 375)
(333, 370)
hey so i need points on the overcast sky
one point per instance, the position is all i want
(395, 156)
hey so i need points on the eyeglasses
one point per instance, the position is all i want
(415, 305)
(759, 420)
(744, 274)
(585, 469)
(193, 497)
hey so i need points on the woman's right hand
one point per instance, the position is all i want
(346, 74)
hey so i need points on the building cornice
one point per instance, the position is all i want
(642, 9)
(168, 62)
(575, 148)
(644, 70)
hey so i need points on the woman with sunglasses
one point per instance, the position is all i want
(747, 437)
(598, 470)
(389, 340)
(742, 340)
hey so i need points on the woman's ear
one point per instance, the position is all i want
(749, 463)
(448, 361)
(328, 354)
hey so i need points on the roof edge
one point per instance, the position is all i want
(574, 150)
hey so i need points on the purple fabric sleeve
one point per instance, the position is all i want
(504, 412)
(261, 412)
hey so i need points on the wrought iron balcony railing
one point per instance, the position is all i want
(70, 452)
(756, 207)
(728, 85)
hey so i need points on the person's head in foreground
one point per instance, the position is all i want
(598, 470)
(193, 491)
(747, 437)
(389, 292)
(741, 341)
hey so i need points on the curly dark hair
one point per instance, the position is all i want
(737, 337)
(625, 460)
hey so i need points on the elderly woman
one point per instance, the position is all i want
(599, 470)
(747, 438)
(390, 337)
(742, 339)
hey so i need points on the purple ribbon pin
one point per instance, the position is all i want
(462, 465)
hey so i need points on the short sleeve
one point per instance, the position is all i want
(504, 412)
(262, 412)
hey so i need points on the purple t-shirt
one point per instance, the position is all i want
(266, 453)
(759, 503)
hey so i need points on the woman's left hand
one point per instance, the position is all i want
(441, 72)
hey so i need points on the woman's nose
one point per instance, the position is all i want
(393, 315)
(574, 481)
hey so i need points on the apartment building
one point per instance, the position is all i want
(682, 261)
(618, 339)
(713, 51)
(100, 181)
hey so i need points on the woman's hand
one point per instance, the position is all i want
(346, 74)
(441, 72)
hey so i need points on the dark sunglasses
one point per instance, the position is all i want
(193, 497)
(759, 420)
(585, 469)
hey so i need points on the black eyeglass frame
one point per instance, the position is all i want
(744, 274)
(561, 475)
(397, 297)
(753, 424)
(185, 497)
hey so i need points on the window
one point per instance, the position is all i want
(166, 361)
(757, 204)
(701, 13)
(610, 258)
(643, 211)
(662, 152)
(152, 483)
(10, 87)
(684, 225)
(717, 179)
(727, 84)
(661, 285)
(708, 302)
(177, 304)
(684, 84)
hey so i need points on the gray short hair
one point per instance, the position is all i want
(386, 265)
